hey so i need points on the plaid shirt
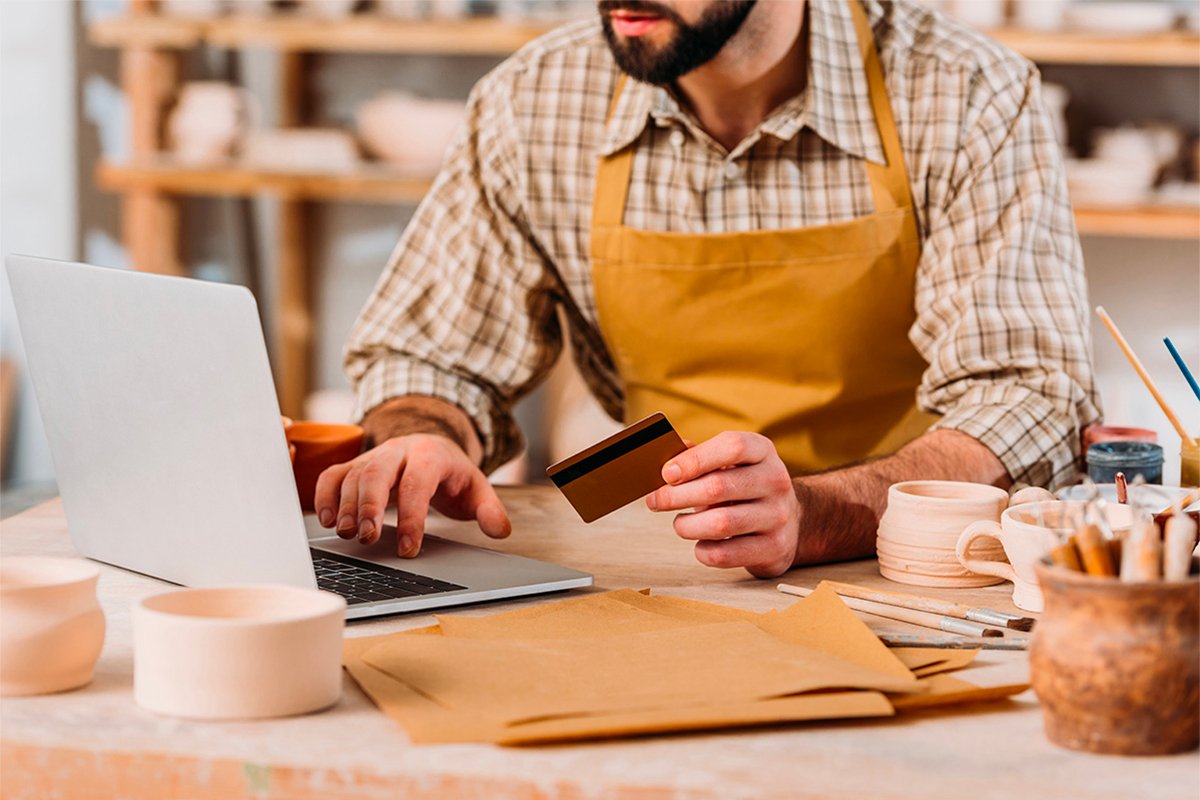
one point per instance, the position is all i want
(466, 308)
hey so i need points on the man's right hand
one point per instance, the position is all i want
(423, 470)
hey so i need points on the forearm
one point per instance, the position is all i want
(840, 509)
(402, 416)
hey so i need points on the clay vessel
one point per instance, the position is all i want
(238, 652)
(1027, 532)
(51, 625)
(1116, 665)
(921, 525)
(318, 446)
(208, 120)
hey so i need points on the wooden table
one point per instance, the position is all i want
(96, 743)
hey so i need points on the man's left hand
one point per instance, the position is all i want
(743, 506)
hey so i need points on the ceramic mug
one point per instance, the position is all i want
(318, 446)
(208, 120)
(921, 526)
(52, 628)
(1026, 533)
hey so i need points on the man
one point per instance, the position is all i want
(811, 233)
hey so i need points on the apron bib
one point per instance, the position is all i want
(798, 334)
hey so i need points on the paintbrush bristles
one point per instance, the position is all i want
(1022, 624)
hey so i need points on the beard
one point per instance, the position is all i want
(692, 46)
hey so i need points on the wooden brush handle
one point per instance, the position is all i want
(1093, 550)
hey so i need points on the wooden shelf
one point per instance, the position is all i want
(364, 33)
(371, 183)
(1171, 49)
(1148, 222)
(379, 34)
(375, 183)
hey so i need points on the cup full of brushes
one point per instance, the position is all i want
(1115, 660)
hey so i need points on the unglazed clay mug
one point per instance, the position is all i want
(320, 445)
(922, 523)
(51, 628)
(1027, 533)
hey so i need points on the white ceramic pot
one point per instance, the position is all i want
(238, 652)
(51, 625)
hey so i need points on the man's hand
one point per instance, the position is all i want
(745, 509)
(423, 469)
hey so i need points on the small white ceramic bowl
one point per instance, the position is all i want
(238, 652)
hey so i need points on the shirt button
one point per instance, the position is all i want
(677, 138)
(732, 171)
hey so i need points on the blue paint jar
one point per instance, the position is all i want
(1106, 459)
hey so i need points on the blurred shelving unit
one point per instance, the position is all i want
(151, 44)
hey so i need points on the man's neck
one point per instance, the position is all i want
(761, 67)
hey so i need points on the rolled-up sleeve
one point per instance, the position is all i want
(464, 309)
(1002, 312)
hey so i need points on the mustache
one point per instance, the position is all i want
(637, 6)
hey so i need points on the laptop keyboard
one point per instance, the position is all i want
(363, 582)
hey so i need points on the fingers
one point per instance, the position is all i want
(721, 486)
(329, 485)
(417, 487)
(729, 449)
(763, 555)
(376, 477)
(724, 522)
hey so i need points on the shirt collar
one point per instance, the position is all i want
(836, 103)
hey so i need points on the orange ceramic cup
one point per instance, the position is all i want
(320, 445)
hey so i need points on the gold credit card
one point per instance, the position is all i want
(618, 470)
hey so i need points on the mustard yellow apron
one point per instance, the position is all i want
(799, 334)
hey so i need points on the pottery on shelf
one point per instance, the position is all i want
(408, 131)
(238, 652)
(317, 150)
(208, 120)
(919, 531)
(51, 625)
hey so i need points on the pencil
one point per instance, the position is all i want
(1145, 376)
(1183, 367)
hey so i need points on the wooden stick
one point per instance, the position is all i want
(1093, 549)
(1178, 543)
(1067, 555)
(985, 615)
(1145, 376)
(922, 618)
(955, 643)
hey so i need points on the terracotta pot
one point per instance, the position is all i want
(51, 628)
(319, 446)
(1027, 533)
(238, 652)
(1116, 665)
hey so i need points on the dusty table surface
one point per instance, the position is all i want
(96, 743)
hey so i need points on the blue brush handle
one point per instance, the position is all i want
(1183, 367)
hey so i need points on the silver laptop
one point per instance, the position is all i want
(163, 424)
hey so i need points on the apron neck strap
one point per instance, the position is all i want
(612, 177)
(889, 183)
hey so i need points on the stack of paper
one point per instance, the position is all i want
(625, 663)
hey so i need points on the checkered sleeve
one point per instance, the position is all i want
(464, 310)
(1001, 295)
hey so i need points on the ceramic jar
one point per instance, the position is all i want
(919, 531)
(51, 628)
(315, 447)
(208, 120)
(1116, 665)
(238, 652)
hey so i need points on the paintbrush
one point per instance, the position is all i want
(984, 615)
(922, 618)
(1145, 376)
(1183, 367)
(1122, 488)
